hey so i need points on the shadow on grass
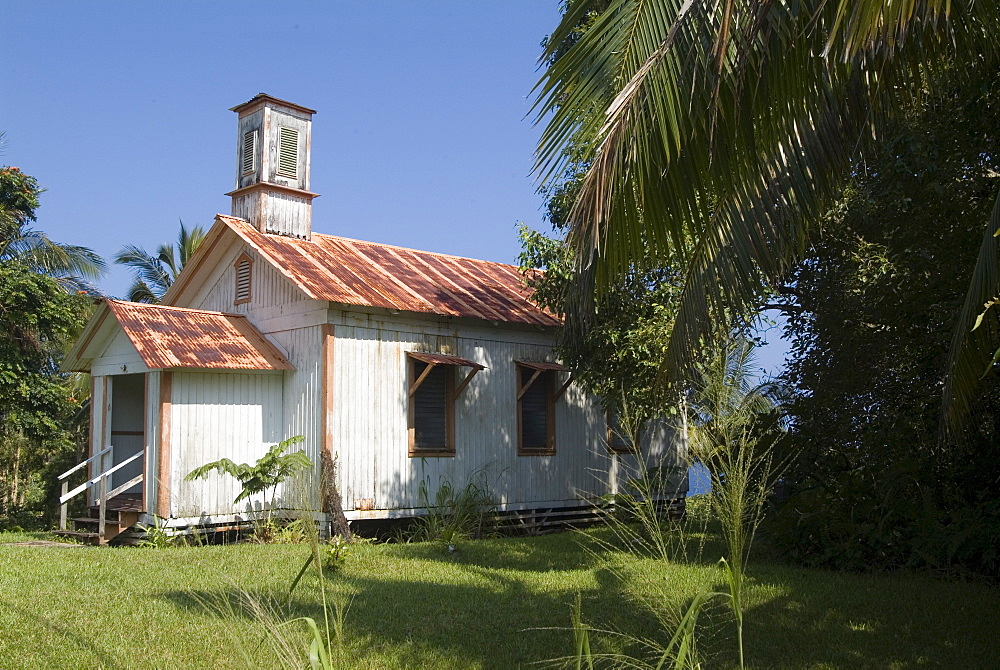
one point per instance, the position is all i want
(826, 619)
(506, 603)
(494, 604)
(106, 657)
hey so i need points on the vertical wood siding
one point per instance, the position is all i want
(152, 422)
(98, 421)
(218, 415)
(269, 288)
(370, 411)
(288, 215)
(303, 408)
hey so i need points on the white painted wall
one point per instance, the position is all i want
(370, 418)
(272, 293)
(220, 415)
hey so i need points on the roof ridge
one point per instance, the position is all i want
(383, 244)
(412, 250)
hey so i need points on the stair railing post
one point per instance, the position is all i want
(102, 509)
(62, 508)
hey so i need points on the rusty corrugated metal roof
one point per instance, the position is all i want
(543, 366)
(175, 337)
(444, 359)
(352, 272)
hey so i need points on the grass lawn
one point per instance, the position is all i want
(500, 603)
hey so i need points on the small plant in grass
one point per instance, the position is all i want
(734, 429)
(157, 536)
(326, 644)
(267, 473)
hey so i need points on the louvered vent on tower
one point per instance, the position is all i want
(244, 267)
(249, 151)
(273, 142)
(288, 152)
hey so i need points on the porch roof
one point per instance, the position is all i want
(176, 337)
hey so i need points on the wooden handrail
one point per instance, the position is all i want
(101, 480)
(80, 465)
(90, 482)
(126, 486)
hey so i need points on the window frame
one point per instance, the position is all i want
(545, 376)
(244, 257)
(452, 393)
(448, 449)
(628, 448)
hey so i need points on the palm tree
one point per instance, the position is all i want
(155, 274)
(722, 130)
(74, 267)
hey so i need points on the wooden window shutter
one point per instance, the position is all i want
(249, 151)
(619, 442)
(536, 412)
(288, 152)
(244, 277)
(432, 410)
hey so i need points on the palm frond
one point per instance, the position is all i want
(155, 273)
(55, 259)
(725, 135)
(977, 331)
(188, 242)
(140, 291)
(151, 277)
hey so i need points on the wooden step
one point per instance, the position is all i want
(88, 520)
(86, 538)
(112, 508)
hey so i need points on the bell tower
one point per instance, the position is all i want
(273, 145)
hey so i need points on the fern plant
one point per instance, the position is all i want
(270, 470)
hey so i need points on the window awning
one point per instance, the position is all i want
(443, 359)
(543, 366)
(539, 367)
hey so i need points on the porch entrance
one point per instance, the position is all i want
(114, 489)
(128, 429)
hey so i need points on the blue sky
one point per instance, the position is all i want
(421, 137)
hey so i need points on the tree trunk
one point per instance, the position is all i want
(331, 496)
(14, 502)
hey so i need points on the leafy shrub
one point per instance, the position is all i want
(456, 514)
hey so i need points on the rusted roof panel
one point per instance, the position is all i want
(444, 359)
(543, 366)
(352, 272)
(174, 337)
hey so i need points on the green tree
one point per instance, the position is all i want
(39, 318)
(40, 313)
(74, 267)
(870, 315)
(616, 357)
(613, 343)
(726, 129)
(153, 275)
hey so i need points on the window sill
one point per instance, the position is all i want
(430, 453)
(536, 452)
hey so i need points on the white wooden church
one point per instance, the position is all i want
(407, 366)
